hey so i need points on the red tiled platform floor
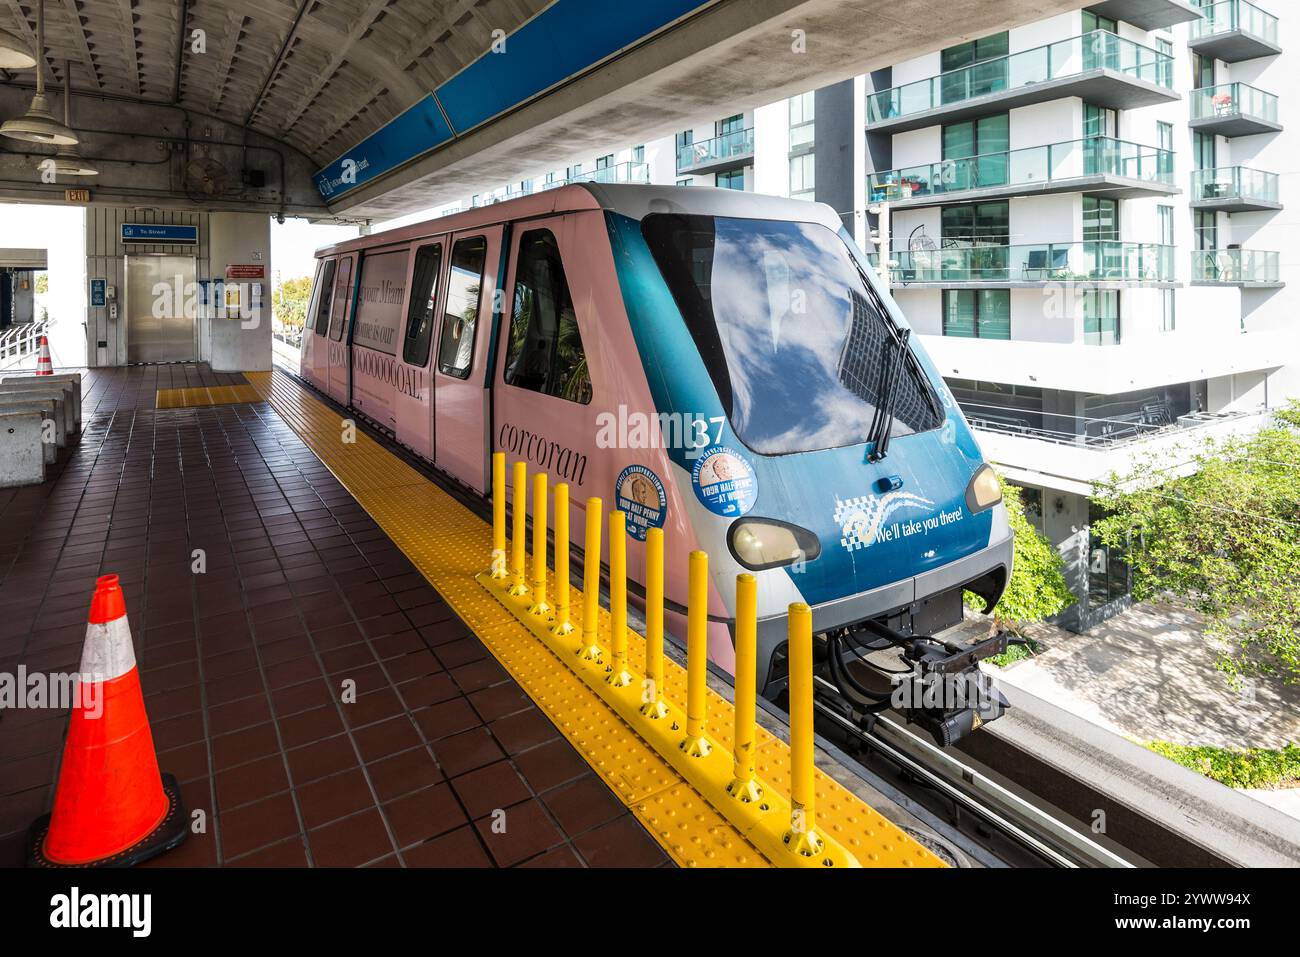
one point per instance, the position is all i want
(243, 665)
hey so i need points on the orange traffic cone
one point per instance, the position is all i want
(44, 365)
(112, 807)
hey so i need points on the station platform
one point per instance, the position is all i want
(326, 568)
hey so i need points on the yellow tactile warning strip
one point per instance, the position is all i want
(205, 395)
(450, 545)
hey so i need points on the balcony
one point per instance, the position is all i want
(1234, 189)
(1100, 67)
(617, 173)
(1147, 14)
(718, 155)
(1123, 169)
(1246, 268)
(1234, 30)
(1102, 263)
(1233, 109)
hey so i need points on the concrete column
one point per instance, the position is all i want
(241, 343)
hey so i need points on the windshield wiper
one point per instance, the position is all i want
(891, 369)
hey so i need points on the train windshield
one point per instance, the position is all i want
(794, 341)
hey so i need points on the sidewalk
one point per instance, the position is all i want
(1149, 674)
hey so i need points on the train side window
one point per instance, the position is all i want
(419, 316)
(545, 353)
(325, 285)
(342, 289)
(460, 314)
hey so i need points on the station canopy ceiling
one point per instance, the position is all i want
(318, 74)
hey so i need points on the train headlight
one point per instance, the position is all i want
(759, 543)
(984, 490)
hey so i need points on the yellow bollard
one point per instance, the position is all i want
(499, 515)
(590, 649)
(652, 697)
(802, 838)
(618, 675)
(697, 654)
(562, 624)
(744, 785)
(540, 606)
(519, 529)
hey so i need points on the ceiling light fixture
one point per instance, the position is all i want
(38, 125)
(14, 54)
(68, 161)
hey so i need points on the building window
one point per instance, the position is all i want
(802, 124)
(977, 313)
(1205, 224)
(685, 182)
(989, 139)
(732, 124)
(1202, 71)
(550, 177)
(1092, 21)
(1166, 48)
(545, 353)
(1167, 320)
(574, 170)
(975, 51)
(1166, 218)
(1204, 150)
(684, 139)
(1165, 136)
(1100, 121)
(1100, 219)
(605, 162)
(638, 154)
(977, 224)
(732, 179)
(803, 179)
(1108, 578)
(1101, 317)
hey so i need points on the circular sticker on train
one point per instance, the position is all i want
(641, 497)
(724, 482)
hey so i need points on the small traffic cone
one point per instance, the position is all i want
(44, 365)
(112, 807)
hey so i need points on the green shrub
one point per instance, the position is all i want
(1248, 768)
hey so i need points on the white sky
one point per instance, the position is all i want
(294, 245)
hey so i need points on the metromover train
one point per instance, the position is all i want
(721, 365)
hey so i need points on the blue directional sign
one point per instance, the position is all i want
(159, 235)
(97, 287)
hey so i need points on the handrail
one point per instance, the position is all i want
(1086, 261)
(20, 341)
(1097, 50)
(1233, 99)
(1091, 156)
(728, 145)
(1225, 182)
(1114, 432)
(1236, 265)
(1227, 16)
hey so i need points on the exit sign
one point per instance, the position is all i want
(76, 195)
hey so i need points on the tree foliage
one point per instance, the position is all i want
(1037, 589)
(1225, 539)
(289, 303)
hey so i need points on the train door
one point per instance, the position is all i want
(542, 394)
(313, 364)
(414, 399)
(461, 356)
(376, 333)
(339, 382)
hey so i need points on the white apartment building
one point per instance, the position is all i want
(1089, 220)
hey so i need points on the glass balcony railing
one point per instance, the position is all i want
(1088, 261)
(1098, 50)
(1095, 156)
(719, 149)
(1229, 16)
(1236, 266)
(617, 173)
(1235, 183)
(1229, 100)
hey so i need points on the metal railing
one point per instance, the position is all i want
(1094, 156)
(727, 146)
(1233, 99)
(617, 173)
(1088, 261)
(1098, 50)
(1236, 265)
(1234, 182)
(20, 342)
(1150, 421)
(1228, 16)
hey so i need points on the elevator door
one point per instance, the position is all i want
(160, 309)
